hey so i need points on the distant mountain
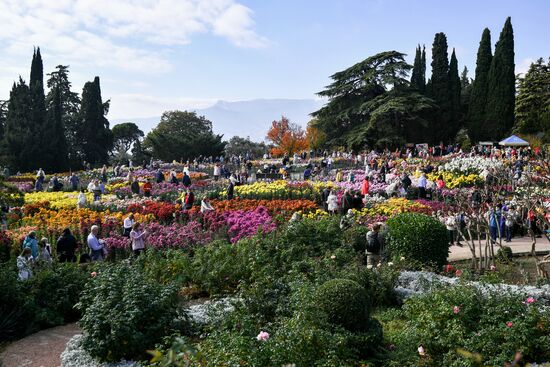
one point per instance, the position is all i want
(245, 118)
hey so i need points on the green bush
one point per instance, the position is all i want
(16, 305)
(418, 237)
(55, 291)
(493, 324)
(124, 313)
(345, 303)
(166, 266)
(47, 299)
(356, 237)
(220, 266)
(505, 254)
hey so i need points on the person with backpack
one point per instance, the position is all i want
(374, 245)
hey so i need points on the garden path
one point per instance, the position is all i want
(42, 349)
(519, 245)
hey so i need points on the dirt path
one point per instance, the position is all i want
(39, 350)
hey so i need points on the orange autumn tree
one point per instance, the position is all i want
(315, 138)
(288, 138)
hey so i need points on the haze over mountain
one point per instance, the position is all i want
(244, 118)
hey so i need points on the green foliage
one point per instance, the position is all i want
(463, 140)
(183, 135)
(478, 100)
(501, 92)
(125, 313)
(494, 325)
(505, 254)
(418, 237)
(93, 131)
(533, 100)
(356, 237)
(219, 267)
(345, 303)
(166, 267)
(45, 300)
(240, 146)
(454, 96)
(418, 77)
(124, 135)
(16, 305)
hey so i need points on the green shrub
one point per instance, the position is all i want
(356, 237)
(220, 266)
(380, 285)
(345, 303)
(55, 291)
(166, 266)
(16, 305)
(124, 313)
(417, 237)
(493, 324)
(505, 254)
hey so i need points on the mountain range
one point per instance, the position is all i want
(250, 118)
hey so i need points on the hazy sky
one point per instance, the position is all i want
(157, 55)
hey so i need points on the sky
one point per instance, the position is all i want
(153, 56)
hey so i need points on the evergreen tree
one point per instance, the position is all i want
(501, 93)
(70, 109)
(93, 132)
(3, 116)
(418, 77)
(478, 99)
(454, 95)
(533, 100)
(18, 142)
(442, 125)
(38, 109)
(465, 92)
(54, 136)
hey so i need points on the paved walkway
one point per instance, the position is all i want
(519, 245)
(42, 349)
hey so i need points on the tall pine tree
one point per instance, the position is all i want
(439, 89)
(478, 99)
(454, 96)
(418, 77)
(94, 133)
(501, 93)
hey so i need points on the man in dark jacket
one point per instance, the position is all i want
(324, 198)
(66, 247)
(347, 202)
(230, 190)
(159, 176)
(374, 245)
(186, 180)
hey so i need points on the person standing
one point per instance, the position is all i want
(365, 186)
(147, 188)
(134, 187)
(230, 190)
(374, 245)
(138, 239)
(104, 174)
(32, 243)
(128, 225)
(75, 181)
(186, 180)
(24, 264)
(189, 200)
(45, 256)
(81, 201)
(217, 172)
(159, 176)
(95, 244)
(450, 224)
(206, 206)
(66, 246)
(347, 201)
(510, 217)
(422, 183)
(332, 203)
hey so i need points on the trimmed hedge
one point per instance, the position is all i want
(419, 238)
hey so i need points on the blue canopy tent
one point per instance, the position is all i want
(514, 141)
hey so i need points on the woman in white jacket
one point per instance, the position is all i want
(332, 203)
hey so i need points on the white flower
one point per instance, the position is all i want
(390, 264)
(402, 258)
(369, 266)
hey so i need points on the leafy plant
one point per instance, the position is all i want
(418, 237)
(125, 313)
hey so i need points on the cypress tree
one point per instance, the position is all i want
(94, 130)
(478, 98)
(38, 107)
(440, 88)
(18, 139)
(418, 77)
(423, 68)
(454, 95)
(501, 85)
